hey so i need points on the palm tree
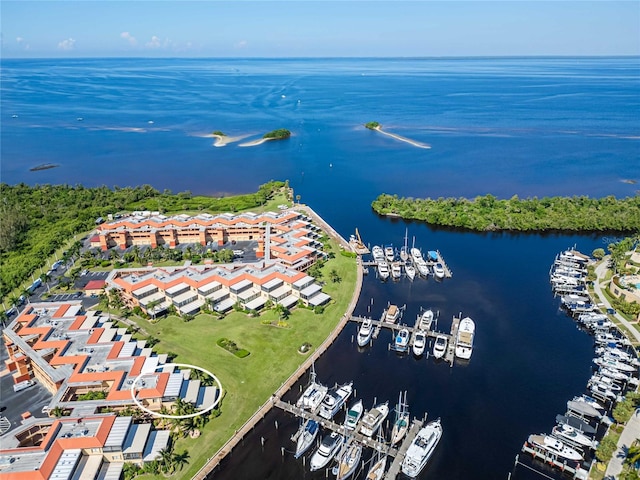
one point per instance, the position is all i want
(45, 277)
(633, 454)
(14, 300)
(165, 460)
(180, 459)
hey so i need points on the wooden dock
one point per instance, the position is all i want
(397, 454)
(450, 354)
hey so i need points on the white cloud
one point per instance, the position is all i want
(242, 44)
(130, 38)
(154, 43)
(19, 39)
(68, 44)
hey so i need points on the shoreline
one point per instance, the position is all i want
(415, 143)
(222, 140)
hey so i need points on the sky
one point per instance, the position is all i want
(304, 28)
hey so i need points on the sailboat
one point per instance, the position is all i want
(404, 251)
(379, 463)
(313, 394)
(349, 459)
(308, 433)
(401, 425)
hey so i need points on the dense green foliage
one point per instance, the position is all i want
(372, 125)
(219, 133)
(279, 134)
(38, 220)
(93, 395)
(487, 213)
(231, 346)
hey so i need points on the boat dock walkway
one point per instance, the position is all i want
(397, 454)
(451, 337)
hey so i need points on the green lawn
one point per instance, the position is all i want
(250, 381)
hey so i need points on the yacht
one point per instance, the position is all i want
(396, 271)
(590, 400)
(416, 254)
(438, 270)
(383, 269)
(373, 419)
(376, 472)
(349, 460)
(365, 332)
(334, 399)
(389, 253)
(440, 346)
(425, 320)
(326, 451)
(583, 409)
(554, 446)
(353, 415)
(401, 424)
(614, 364)
(419, 343)
(464, 340)
(378, 253)
(392, 314)
(313, 394)
(614, 374)
(423, 268)
(576, 423)
(570, 435)
(410, 271)
(401, 342)
(421, 448)
(308, 433)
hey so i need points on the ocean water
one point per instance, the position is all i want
(506, 126)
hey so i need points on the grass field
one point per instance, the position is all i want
(250, 381)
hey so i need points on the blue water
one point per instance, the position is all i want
(543, 126)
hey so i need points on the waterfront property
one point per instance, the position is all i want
(79, 447)
(288, 236)
(220, 287)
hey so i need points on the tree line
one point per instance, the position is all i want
(37, 220)
(488, 213)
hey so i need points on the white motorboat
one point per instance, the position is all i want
(440, 346)
(349, 460)
(572, 436)
(438, 270)
(590, 400)
(410, 271)
(615, 374)
(374, 418)
(396, 270)
(308, 433)
(617, 353)
(425, 320)
(421, 448)
(416, 254)
(419, 343)
(602, 390)
(614, 364)
(401, 424)
(376, 472)
(353, 415)
(583, 408)
(423, 268)
(313, 394)
(334, 399)
(377, 253)
(464, 340)
(554, 446)
(401, 342)
(365, 332)
(392, 314)
(326, 451)
(389, 253)
(383, 269)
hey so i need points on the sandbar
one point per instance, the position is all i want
(222, 140)
(259, 141)
(403, 139)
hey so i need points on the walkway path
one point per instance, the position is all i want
(630, 433)
(601, 271)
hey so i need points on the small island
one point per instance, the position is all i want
(279, 134)
(43, 166)
(372, 125)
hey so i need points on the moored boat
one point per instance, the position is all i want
(383, 269)
(464, 340)
(572, 436)
(583, 408)
(374, 418)
(349, 460)
(309, 431)
(401, 342)
(389, 253)
(425, 320)
(354, 413)
(365, 332)
(419, 343)
(554, 446)
(410, 271)
(576, 423)
(438, 270)
(334, 399)
(376, 472)
(401, 424)
(421, 448)
(440, 346)
(392, 314)
(326, 451)
(313, 394)
(396, 270)
(377, 253)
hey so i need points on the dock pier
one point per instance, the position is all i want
(394, 470)
(450, 354)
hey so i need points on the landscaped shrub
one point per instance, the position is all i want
(231, 347)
